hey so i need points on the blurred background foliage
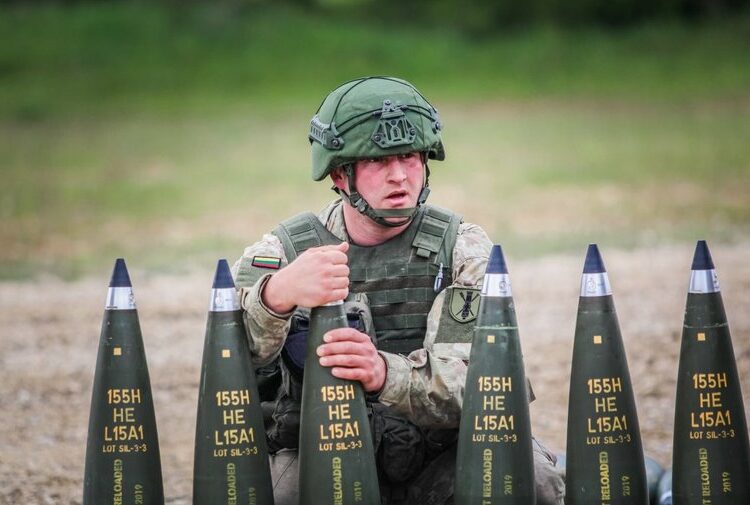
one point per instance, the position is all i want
(175, 132)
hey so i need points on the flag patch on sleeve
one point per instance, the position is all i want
(266, 262)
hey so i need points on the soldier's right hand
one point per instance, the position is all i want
(318, 276)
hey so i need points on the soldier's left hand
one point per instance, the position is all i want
(352, 355)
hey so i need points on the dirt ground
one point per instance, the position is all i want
(50, 329)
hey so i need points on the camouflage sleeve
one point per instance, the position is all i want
(428, 385)
(470, 255)
(266, 330)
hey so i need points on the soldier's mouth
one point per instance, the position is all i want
(397, 197)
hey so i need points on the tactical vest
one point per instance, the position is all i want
(401, 277)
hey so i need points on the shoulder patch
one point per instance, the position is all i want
(463, 304)
(266, 262)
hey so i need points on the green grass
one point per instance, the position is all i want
(175, 138)
(114, 58)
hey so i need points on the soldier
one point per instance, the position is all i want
(410, 274)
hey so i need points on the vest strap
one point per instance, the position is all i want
(437, 234)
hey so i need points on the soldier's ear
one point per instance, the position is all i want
(339, 179)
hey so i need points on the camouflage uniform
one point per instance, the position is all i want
(426, 387)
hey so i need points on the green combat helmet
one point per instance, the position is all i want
(373, 117)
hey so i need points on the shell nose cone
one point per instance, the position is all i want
(702, 258)
(594, 263)
(120, 276)
(496, 264)
(223, 278)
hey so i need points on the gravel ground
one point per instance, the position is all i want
(50, 332)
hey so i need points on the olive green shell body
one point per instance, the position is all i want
(605, 462)
(336, 456)
(231, 456)
(122, 454)
(710, 458)
(495, 463)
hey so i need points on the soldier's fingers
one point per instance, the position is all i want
(335, 253)
(336, 257)
(343, 348)
(325, 248)
(339, 270)
(354, 374)
(340, 347)
(342, 334)
(345, 361)
(370, 372)
(338, 294)
(332, 283)
(325, 259)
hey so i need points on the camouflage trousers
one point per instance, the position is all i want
(433, 486)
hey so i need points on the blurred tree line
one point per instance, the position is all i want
(486, 16)
(479, 17)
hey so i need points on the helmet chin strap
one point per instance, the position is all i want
(381, 216)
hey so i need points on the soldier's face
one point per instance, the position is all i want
(390, 182)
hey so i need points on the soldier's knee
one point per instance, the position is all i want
(550, 484)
